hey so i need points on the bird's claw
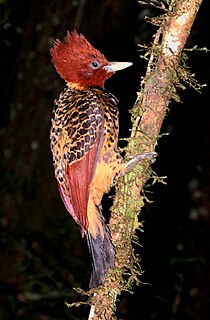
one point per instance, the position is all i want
(136, 159)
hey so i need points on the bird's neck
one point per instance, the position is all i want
(76, 86)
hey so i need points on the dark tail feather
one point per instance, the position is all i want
(102, 253)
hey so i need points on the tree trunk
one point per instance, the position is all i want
(157, 89)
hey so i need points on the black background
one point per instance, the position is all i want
(42, 256)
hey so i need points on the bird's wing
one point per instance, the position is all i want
(80, 143)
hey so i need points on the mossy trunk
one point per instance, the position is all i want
(157, 89)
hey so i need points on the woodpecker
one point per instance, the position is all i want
(84, 142)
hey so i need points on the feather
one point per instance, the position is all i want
(86, 159)
(76, 139)
(78, 179)
(102, 253)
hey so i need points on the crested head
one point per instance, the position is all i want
(78, 62)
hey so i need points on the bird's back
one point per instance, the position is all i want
(84, 131)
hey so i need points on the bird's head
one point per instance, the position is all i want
(80, 64)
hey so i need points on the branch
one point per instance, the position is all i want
(157, 89)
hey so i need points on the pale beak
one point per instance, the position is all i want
(115, 66)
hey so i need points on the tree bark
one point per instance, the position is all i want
(157, 89)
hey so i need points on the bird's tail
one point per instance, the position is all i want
(102, 253)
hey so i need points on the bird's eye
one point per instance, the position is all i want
(95, 65)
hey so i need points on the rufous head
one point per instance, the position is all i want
(80, 64)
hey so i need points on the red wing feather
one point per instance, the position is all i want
(78, 178)
(66, 200)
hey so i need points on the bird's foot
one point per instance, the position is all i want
(136, 159)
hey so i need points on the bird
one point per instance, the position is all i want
(84, 143)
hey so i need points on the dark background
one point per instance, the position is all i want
(42, 256)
